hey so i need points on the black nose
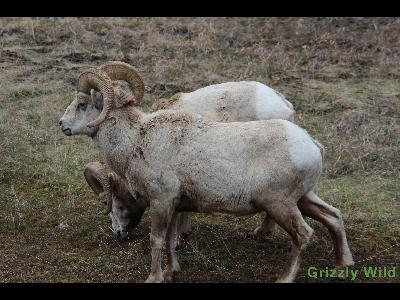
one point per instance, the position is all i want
(60, 123)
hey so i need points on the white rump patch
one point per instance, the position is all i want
(303, 152)
(270, 105)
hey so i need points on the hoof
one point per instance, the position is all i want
(283, 280)
(168, 275)
(344, 262)
(260, 232)
(154, 279)
(169, 272)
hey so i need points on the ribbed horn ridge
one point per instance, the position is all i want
(118, 70)
(98, 80)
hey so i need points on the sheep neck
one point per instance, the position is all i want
(116, 139)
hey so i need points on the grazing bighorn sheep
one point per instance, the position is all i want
(121, 205)
(226, 102)
(179, 162)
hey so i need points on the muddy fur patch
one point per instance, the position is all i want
(176, 118)
(165, 103)
(223, 114)
(138, 153)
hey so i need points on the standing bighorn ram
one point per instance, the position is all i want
(179, 162)
(225, 102)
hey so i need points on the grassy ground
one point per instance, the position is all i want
(342, 75)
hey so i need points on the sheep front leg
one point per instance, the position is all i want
(184, 226)
(171, 243)
(161, 215)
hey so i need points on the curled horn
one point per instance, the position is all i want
(97, 80)
(118, 70)
(97, 178)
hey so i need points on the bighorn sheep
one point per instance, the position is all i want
(179, 162)
(226, 102)
(123, 208)
(121, 205)
(232, 102)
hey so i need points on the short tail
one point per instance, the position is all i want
(292, 117)
(319, 145)
(287, 102)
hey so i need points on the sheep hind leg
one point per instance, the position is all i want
(267, 227)
(171, 242)
(314, 207)
(291, 220)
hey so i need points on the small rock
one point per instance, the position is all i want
(357, 119)
(63, 226)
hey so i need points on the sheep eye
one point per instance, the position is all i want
(120, 207)
(82, 106)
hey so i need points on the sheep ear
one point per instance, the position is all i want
(97, 99)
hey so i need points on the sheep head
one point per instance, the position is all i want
(91, 106)
(122, 207)
(98, 80)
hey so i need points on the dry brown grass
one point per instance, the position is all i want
(341, 74)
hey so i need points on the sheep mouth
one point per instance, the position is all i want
(67, 131)
(122, 236)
